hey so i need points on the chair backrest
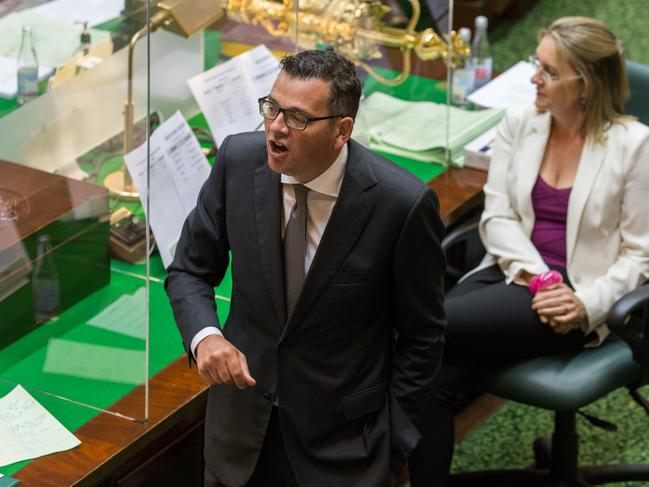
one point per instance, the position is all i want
(638, 104)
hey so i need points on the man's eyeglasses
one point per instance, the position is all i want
(295, 120)
(548, 77)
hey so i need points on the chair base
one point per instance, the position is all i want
(556, 466)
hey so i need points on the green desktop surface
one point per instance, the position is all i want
(23, 361)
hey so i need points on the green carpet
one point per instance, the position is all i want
(505, 440)
(517, 39)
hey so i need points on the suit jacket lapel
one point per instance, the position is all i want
(590, 163)
(348, 218)
(268, 207)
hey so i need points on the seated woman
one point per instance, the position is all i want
(566, 191)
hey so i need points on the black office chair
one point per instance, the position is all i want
(564, 383)
(638, 103)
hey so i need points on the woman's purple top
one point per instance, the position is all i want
(549, 233)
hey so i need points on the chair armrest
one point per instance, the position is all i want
(617, 319)
(459, 234)
(626, 305)
(457, 267)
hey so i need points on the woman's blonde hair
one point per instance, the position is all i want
(594, 52)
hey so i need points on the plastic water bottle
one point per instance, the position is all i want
(463, 77)
(481, 53)
(45, 282)
(27, 68)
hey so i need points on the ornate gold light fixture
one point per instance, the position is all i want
(355, 28)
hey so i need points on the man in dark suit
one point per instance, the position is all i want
(336, 321)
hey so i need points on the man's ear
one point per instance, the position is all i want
(344, 128)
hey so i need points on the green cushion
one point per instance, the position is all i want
(638, 104)
(564, 382)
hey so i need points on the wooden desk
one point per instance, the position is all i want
(459, 192)
(114, 451)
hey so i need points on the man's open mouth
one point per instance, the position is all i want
(277, 146)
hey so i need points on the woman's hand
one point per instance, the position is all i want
(559, 307)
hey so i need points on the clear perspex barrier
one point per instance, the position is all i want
(73, 317)
(84, 319)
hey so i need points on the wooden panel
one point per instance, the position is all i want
(43, 198)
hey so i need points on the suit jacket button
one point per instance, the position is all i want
(268, 396)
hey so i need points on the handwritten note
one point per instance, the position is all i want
(227, 94)
(28, 430)
(177, 171)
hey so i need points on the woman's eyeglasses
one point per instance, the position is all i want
(545, 75)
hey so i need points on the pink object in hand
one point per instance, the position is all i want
(540, 281)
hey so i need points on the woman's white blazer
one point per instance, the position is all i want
(607, 228)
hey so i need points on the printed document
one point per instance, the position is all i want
(28, 430)
(178, 169)
(513, 87)
(227, 94)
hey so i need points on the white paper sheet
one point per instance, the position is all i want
(8, 78)
(126, 315)
(512, 87)
(28, 430)
(227, 94)
(95, 362)
(54, 41)
(177, 172)
(92, 11)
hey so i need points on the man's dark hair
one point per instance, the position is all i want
(328, 66)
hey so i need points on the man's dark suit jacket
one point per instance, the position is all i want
(351, 366)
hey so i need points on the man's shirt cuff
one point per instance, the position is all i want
(205, 332)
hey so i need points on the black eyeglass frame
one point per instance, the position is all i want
(265, 99)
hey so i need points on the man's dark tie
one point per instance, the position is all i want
(295, 248)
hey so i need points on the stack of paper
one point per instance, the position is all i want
(477, 153)
(417, 130)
